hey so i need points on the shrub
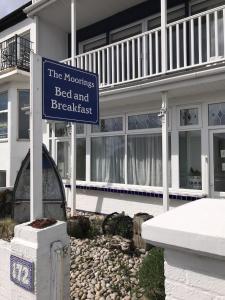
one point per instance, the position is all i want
(7, 228)
(78, 227)
(118, 224)
(151, 275)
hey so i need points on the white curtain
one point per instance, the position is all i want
(107, 159)
(145, 160)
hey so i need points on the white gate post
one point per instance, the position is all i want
(36, 195)
(165, 148)
(73, 132)
(164, 35)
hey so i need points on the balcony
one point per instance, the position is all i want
(15, 53)
(194, 42)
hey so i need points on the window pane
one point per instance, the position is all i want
(190, 159)
(3, 101)
(63, 156)
(61, 129)
(217, 114)
(219, 161)
(3, 125)
(94, 44)
(2, 178)
(125, 33)
(50, 129)
(24, 118)
(107, 159)
(50, 147)
(81, 159)
(189, 116)
(109, 125)
(144, 121)
(144, 159)
(80, 128)
(64, 129)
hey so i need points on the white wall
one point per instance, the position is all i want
(107, 203)
(5, 291)
(190, 276)
(52, 41)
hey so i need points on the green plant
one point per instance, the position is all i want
(194, 172)
(151, 275)
(78, 227)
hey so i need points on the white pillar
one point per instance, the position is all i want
(73, 132)
(165, 173)
(36, 205)
(164, 35)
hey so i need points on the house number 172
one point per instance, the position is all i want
(21, 272)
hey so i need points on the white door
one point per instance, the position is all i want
(217, 163)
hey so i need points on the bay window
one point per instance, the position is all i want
(3, 115)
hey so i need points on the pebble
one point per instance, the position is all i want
(103, 268)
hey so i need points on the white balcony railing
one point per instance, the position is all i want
(194, 41)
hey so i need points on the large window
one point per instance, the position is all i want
(3, 115)
(190, 159)
(24, 118)
(190, 176)
(59, 137)
(144, 154)
(108, 151)
(63, 158)
(144, 150)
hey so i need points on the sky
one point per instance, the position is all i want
(7, 6)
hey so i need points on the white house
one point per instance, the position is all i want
(151, 60)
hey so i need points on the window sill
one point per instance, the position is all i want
(155, 192)
(4, 140)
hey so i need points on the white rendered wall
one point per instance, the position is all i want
(106, 203)
(48, 249)
(5, 291)
(194, 241)
(195, 277)
(52, 41)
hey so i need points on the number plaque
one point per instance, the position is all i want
(22, 273)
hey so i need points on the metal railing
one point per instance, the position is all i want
(15, 52)
(194, 41)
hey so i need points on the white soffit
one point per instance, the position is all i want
(57, 12)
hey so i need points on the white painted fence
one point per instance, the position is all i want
(192, 42)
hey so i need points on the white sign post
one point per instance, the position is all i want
(36, 194)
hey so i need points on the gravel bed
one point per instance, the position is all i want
(104, 268)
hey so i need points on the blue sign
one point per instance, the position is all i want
(69, 94)
(22, 273)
